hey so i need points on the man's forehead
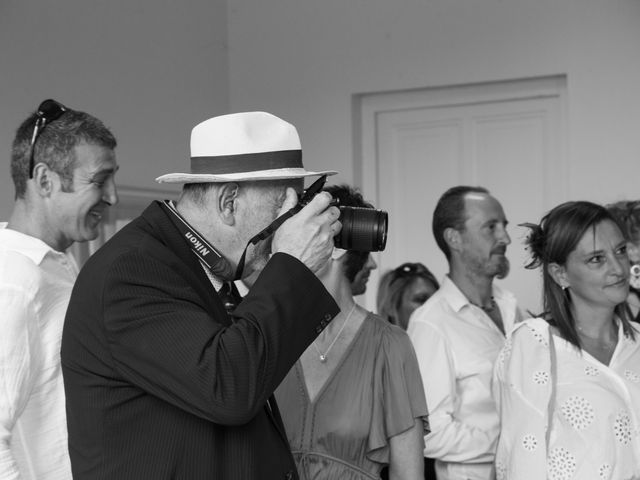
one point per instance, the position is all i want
(94, 158)
(482, 204)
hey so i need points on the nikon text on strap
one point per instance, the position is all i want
(208, 255)
(205, 252)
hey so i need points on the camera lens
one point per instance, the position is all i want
(363, 229)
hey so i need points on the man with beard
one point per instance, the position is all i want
(459, 331)
(161, 382)
(62, 165)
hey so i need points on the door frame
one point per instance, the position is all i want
(366, 107)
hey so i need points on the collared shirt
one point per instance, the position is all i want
(457, 344)
(35, 286)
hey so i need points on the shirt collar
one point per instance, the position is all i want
(458, 300)
(31, 247)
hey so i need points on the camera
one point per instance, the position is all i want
(363, 229)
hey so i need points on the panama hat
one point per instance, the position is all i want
(241, 147)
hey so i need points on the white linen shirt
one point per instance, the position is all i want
(595, 434)
(457, 344)
(35, 287)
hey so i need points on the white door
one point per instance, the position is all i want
(506, 136)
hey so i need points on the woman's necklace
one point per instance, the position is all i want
(323, 356)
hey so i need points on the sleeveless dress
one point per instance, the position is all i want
(375, 393)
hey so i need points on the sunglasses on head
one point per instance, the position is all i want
(407, 269)
(48, 111)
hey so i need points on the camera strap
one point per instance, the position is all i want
(308, 194)
(210, 257)
(206, 253)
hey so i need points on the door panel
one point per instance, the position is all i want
(505, 137)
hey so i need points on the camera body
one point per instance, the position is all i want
(363, 229)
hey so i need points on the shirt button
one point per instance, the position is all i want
(327, 317)
(319, 329)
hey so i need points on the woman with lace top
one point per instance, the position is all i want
(568, 384)
(354, 402)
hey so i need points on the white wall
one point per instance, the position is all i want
(305, 60)
(308, 61)
(149, 69)
(153, 69)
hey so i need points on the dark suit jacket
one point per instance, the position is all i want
(160, 383)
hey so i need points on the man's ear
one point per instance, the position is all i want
(227, 196)
(452, 238)
(559, 274)
(44, 179)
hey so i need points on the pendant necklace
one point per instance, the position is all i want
(489, 308)
(323, 356)
(493, 312)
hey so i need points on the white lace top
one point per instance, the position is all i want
(595, 432)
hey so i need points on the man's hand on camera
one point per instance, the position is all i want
(308, 235)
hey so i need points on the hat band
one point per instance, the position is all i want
(249, 162)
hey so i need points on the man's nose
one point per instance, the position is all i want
(110, 192)
(503, 235)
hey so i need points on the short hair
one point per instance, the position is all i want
(394, 283)
(54, 146)
(197, 192)
(628, 215)
(557, 235)
(450, 213)
(350, 197)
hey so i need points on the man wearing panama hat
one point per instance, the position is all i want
(161, 382)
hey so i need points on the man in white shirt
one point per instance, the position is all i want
(459, 331)
(63, 166)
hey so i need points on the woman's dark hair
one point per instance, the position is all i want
(394, 283)
(350, 197)
(628, 215)
(557, 235)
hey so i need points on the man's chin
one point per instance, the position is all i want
(91, 233)
(358, 289)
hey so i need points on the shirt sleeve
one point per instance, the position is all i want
(398, 393)
(522, 388)
(450, 439)
(18, 354)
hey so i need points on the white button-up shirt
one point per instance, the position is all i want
(35, 287)
(457, 344)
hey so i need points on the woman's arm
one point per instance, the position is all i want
(405, 454)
